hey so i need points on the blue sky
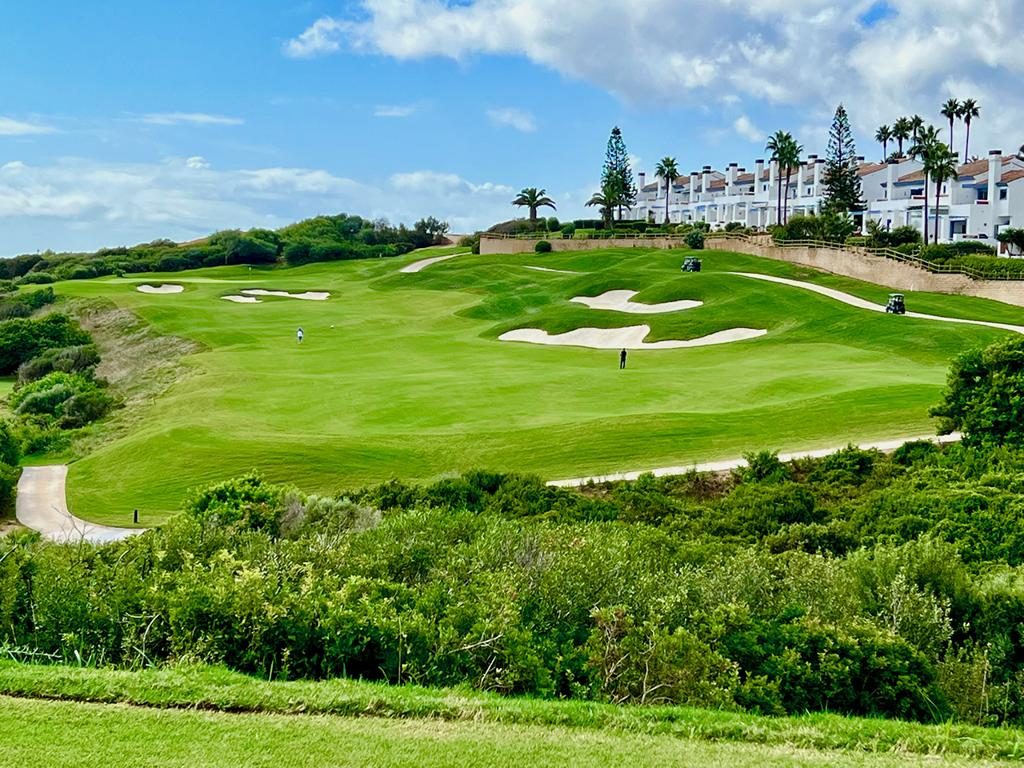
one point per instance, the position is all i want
(125, 121)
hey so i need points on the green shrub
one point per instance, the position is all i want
(22, 339)
(568, 230)
(553, 224)
(72, 399)
(84, 408)
(78, 359)
(36, 278)
(542, 246)
(734, 226)
(828, 228)
(695, 240)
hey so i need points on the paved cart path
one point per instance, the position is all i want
(729, 464)
(42, 506)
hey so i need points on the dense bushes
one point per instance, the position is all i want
(542, 246)
(942, 253)
(22, 339)
(827, 228)
(859, 583)
(695, 240)
(322, 238)
(70, 400)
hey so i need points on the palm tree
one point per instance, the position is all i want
(791, 157)
(951, 111)
(534, 198)
(942, 165)
(901, 132)
(603, 200)
(969, 110)
(925, 148)
(916, 124)
(668, 170)
(776, 145)
(883, 136)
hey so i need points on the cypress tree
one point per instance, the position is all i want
(843, 191)
(617, 176)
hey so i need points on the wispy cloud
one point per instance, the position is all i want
(745, 127)
(321, 38)
(11, 127)
(189, 118)
(394, 110)
(519, 119)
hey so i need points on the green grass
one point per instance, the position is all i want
(411, 382)
(68, 735)
(433, 724)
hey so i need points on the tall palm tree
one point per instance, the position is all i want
(883, 136)
(951, 111)
(605, 203)
(916, 124)
(534, 198)
(925, 148)
(969, 110)
(901, 132)
(668, 170)
(791, 158)
(777, 143)
(942, 165)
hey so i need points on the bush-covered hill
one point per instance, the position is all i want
(322, 238)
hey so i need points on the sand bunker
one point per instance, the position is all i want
(307, 296)
(242, 299)
(619, 301)
(556, 271)
(625, 338)
(419, 266)
(165, 288)
(854, 301)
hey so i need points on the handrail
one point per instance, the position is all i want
(885, 253)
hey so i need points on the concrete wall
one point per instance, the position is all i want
(878, 270)
(490, 246)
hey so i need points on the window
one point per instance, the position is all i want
(917, 192)
(1002, 193)
(983, 193)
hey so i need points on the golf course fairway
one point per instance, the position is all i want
(402, 375)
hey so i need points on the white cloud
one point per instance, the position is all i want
(11, 127)
(319, 39)
(519, 119)
(746, 128)
(395, 110)
(189, 118)
(806, 55)
(78, 204)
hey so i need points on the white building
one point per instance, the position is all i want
(987, 196)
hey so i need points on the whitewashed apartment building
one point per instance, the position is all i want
(987, 196)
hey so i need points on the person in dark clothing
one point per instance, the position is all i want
(622, 359)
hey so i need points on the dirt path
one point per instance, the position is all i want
(854, 301)
(42, 506)
(886, 446)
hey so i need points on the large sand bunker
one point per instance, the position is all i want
(306, 296)
(165, 288)
(625, 338)
(854, 301)
(620, 301)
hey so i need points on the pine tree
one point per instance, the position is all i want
(617, 177)
(843, 191)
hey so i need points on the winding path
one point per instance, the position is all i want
(855, 301)
(42, 506)
(419, 266)
(886, 446)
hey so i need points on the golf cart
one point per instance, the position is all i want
(691, 264)
(896, 305)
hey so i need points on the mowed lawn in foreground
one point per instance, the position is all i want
(401, 375)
